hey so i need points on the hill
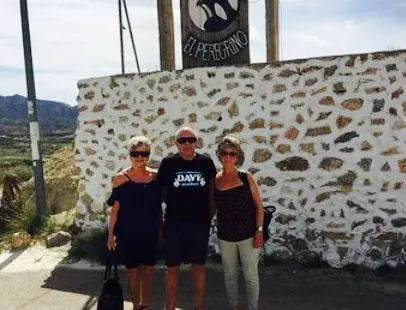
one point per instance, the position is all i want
(55, 117)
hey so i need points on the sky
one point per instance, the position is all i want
(75, 39)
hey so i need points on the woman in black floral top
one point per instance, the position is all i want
(240, 218)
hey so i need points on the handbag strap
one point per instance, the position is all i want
(243, 177)
(111, 262)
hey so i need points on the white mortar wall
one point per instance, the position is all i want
(346, 211)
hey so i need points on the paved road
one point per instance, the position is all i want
(73, 289)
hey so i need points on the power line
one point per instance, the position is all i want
(280, 32)
(120, 20)
(120, 17)
(131, 35)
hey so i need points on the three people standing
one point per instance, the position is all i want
(192, 190)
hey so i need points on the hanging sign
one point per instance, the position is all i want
(214, 33)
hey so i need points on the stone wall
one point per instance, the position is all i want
(325, 139)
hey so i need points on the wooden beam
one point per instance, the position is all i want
(166, 34)
(272, 30)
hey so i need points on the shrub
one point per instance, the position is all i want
(22, 216)
(23, 173)
(90, 245)
(14, 161)
(18, 166)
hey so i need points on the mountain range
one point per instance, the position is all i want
(53, 116)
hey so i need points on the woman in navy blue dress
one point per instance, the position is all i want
(135, 221)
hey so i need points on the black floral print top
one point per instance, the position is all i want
(236, 219)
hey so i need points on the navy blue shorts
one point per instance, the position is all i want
(185, 242)
(142, 251)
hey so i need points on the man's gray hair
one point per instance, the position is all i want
(177, 133)
(137, 141)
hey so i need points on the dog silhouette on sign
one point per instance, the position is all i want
(214, 22)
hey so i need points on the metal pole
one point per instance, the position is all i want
(120, 19)
(131, 35)
(33, 120)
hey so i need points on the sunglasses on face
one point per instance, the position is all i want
(139, 153)
(184, 140)
(231, 154)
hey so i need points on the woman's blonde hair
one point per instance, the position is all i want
(233, 143)
(137, 141)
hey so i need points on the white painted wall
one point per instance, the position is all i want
(358, 222)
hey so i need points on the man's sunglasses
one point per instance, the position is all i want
(183, 140)
(139, 153)
(231, 154)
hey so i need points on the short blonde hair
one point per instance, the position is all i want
(233, 143)
(137, 141)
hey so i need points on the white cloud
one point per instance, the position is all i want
(401, 3)
(74, 39)
(311, 38)
(296, 3)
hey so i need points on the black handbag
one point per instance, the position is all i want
(111, 295)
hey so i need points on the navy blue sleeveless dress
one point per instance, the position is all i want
(138, 219)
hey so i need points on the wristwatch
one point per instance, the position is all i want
(259, 228)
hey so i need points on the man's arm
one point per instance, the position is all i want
(212, 204)
(164, 193)
(161, 178)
